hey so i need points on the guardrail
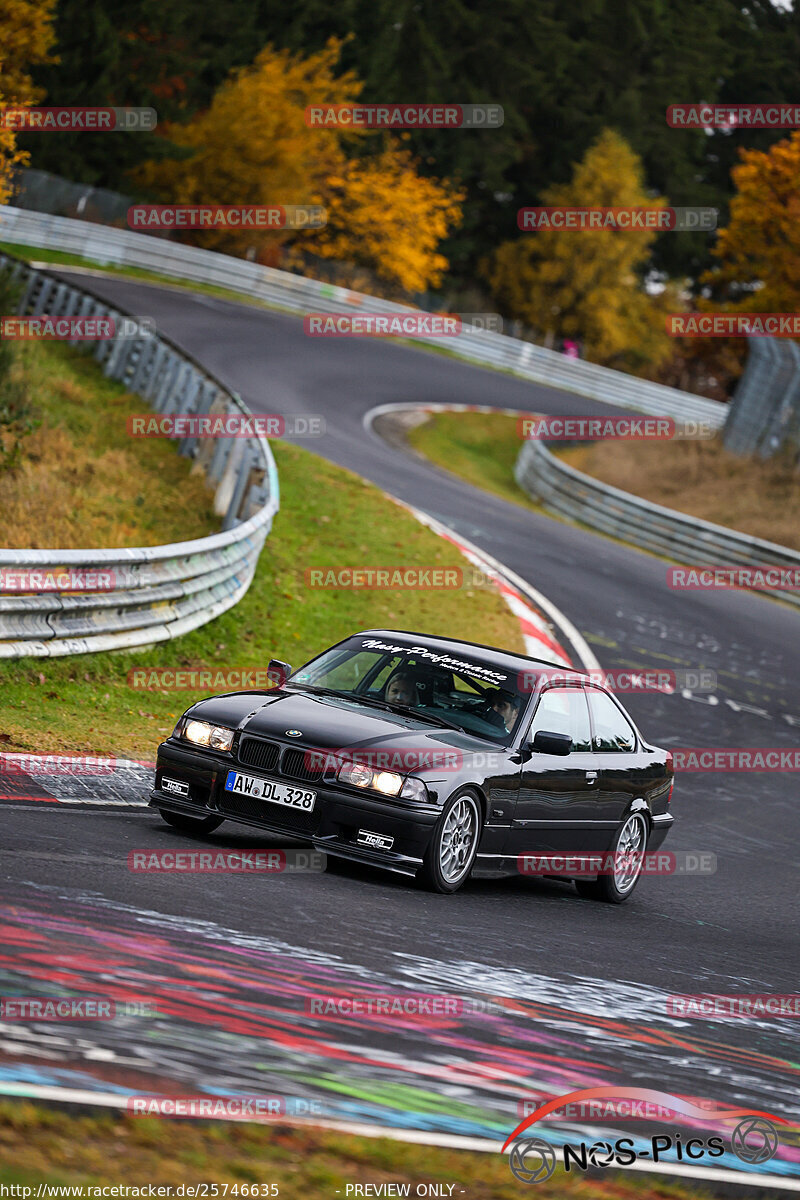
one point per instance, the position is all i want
(122, 247)
(158, 592)
(653, 527)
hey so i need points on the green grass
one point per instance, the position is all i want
(41, 1145)
(328, 517)
(479, 447)
(83, 482)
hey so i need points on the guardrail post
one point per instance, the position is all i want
(83, 310)
(155, 373)
(232, 450)
(205, 395)
(240, 483)
(147, 351)
(119, 351)
(171, 373)
(45, 292)
(105, 348)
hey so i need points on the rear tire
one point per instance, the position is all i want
(615, 888)
(454, 843)
(189, 824)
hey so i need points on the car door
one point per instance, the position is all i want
(623, 772)
(556, 805)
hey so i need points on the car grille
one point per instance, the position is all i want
(255, 753)
(292, 820)
(306, 765)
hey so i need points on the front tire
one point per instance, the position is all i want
(453, 845)
(189, 824)
(616, 887)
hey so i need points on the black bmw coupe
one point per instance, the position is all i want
(430, 757)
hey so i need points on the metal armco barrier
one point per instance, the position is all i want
(653, 527)
(765, 411)
(122, 247)
(158, 592)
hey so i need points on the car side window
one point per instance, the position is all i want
(564, 710)
(612, 730)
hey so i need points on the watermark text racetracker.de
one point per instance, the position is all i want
(55, 764)
(762, 578)
(396, 577)
(208, 679)
(228, 1108)
(37, 119)
(226, 862)
(539, 427)
(403, 325)
(711, 1007)
(75, 329)
(627, 219)
(580, 864)
(400, 1004)
(225, 425)
(736, 758)
(731, 325)
(398, 115)
(625, 681)
(227, 216)
(727, 117)
(73, 1008)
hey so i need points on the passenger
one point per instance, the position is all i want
(402, 689)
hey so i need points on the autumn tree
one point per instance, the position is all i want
(385, 216)
(759, 250)
(587, 284)
(253, 146)
(26, 34)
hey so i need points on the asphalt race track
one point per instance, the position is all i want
(579, 988)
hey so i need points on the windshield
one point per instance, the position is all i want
(421, 681)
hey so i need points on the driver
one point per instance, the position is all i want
(401, 689)
(506, 705)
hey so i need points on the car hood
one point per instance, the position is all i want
(336, 723)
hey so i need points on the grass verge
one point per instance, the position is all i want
(45, 1146)
(479, 447)
(329, 518)
(699, 478)
(83, 482)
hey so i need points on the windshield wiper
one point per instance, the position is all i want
(437, 720)
(356, 697)
(320, 691)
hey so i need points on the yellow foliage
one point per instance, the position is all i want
(253, 146)
(26, 35)
(761, 244)
(585, 284)
(383, 215)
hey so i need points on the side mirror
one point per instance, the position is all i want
(278, 672)
(552, 743)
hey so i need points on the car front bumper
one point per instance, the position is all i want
(332, 827)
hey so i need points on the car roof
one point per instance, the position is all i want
(477, 651)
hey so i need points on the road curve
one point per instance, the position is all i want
(585, 984)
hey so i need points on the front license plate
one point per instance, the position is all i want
(271, 790)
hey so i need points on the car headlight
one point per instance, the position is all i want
(216, 737)
(414, 789)
(358, 774)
